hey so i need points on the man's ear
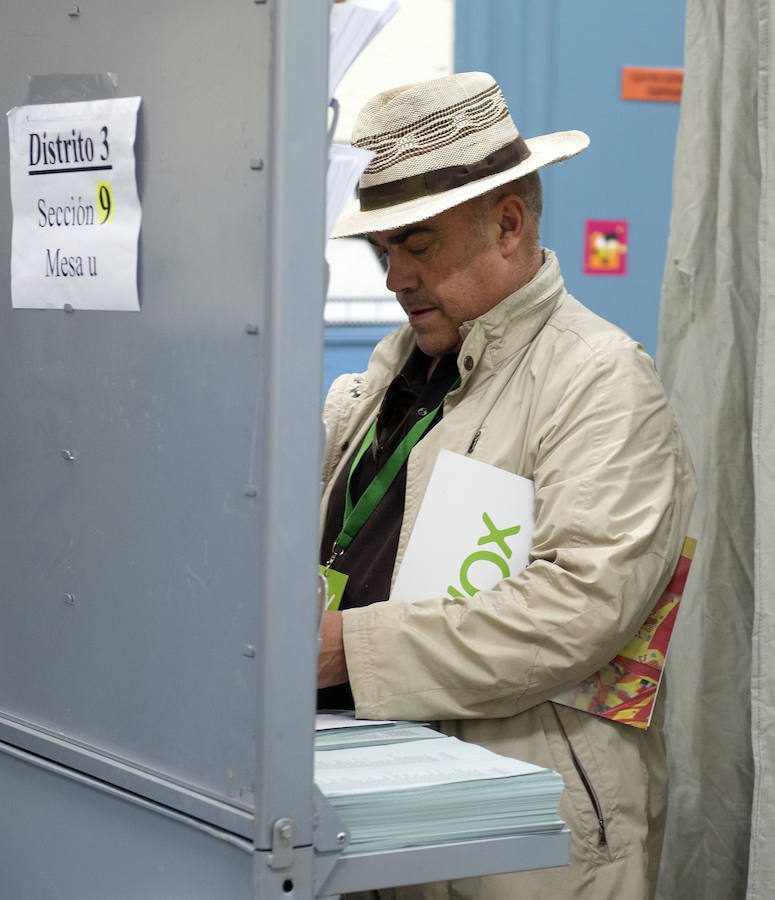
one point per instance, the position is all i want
(513, 223)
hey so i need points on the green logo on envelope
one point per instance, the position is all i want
(495, 536)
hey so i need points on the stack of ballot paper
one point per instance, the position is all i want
(337, 732)
(425, 788)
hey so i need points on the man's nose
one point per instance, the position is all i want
(400, 276)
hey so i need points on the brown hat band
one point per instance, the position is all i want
(380, 196)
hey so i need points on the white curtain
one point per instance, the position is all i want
(717, 359)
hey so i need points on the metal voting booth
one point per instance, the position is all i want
(160, 486)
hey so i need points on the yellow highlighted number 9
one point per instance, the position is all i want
(105, 202)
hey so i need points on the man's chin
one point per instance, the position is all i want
(436, 351)
(436, 348)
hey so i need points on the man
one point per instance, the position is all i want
(501, 364)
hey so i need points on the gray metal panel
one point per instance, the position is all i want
(154, 528)
(123, 775)
(72, 838)
(291, 433)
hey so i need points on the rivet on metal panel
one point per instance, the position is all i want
(68, 455)
(249, 651)
(75, 11)
(70, 599)
(68, 308)
(251, 328)
(341, 837)
(256, 163)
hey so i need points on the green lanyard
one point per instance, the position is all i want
(356, 515)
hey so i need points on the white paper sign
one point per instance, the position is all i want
(76, 213)
(473, 529)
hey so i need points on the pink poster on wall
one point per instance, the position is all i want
(605, 246)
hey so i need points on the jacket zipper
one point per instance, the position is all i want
(585, 780)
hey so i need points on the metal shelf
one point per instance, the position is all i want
(462, 859)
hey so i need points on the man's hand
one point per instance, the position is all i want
(332, 667)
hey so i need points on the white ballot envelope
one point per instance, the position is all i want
(473, 529)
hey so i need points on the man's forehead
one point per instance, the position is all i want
(453, 217)
(395, 236)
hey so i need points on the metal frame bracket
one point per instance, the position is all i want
(330, 836)
(282, 855)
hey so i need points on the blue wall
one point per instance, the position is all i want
(348, 349)
(559, 63)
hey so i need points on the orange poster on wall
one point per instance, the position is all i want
(652, 83)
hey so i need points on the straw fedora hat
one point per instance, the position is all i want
(437, 144)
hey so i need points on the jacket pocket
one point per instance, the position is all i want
(602, 836)
(590, 797)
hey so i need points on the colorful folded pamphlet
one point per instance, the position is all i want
(626, 688)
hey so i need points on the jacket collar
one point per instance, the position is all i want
(517, 319)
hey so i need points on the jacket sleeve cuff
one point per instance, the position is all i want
(359, 655)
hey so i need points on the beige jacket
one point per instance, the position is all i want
(554, 393)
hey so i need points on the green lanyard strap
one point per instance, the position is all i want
(356, 515)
